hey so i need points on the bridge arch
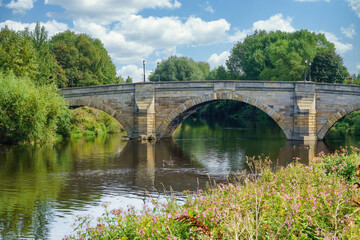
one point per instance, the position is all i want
(332, 119)
(175, 118)
(98, 104)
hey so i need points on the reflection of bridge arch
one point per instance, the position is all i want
(175, 118)
(332, 119)
(98, 104)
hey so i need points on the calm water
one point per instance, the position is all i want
(42, 189)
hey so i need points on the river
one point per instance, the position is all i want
(44, 188)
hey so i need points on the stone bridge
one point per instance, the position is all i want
(303, 110)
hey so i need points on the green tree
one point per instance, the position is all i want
(48, 70)
(28, 53)
(180, 69)
(84, 60)
(29, 112)
(128, 80)
(17, 53)
(219, 73)
(328, 67)
(275, 55)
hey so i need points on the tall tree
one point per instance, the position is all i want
(275, 55)
(84, 60)
(180, 69)
(28, 53)
(48, 70)
(328, 67)
(17, 53)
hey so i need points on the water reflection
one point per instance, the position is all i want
(40, 186)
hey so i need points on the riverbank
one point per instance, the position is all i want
(86, 121)
(315, 201)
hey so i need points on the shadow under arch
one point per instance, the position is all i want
(336, 117)
(176, 117)
(97, 104)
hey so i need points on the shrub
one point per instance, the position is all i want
(29, 112)
(342, 163)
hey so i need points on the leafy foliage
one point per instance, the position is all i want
(90, 121)
(219, 73)
(28, 54)
(180, 69)
(277, 55)
(328, 67)
(29, 112)
(349, 123)
(84, 60)
(17, 53)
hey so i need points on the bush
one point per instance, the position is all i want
(91, 121)
(29, 112)
(342, 163)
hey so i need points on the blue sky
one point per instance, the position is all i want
(133, 30)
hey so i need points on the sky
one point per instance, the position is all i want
(204, 30)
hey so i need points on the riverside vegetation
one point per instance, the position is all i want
(318, 201)
(33, 67)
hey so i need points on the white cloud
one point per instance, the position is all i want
(217, 60)
(135, 72)
(20, 6)
(239, 35)
(120, 49)
(136, 37)
(358, 67)
(349, 32)
(107, 11)
(355, 5)
(208, 7)
(53, 27)
(274, 23)
(340, 47)
(171, 31)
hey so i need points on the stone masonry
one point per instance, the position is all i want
(303, 110)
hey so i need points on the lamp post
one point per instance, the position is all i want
(144, 69)
(309, 71)
(158, 68)
(305, 71)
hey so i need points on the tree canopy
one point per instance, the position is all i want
(277, 55)
(180, 69)
(328, 67)
(28, 53)
(84, 60)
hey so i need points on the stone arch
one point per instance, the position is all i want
(174, 119)
(98, 104)
(332, 119)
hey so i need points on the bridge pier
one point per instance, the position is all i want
(144, 112)
(304, 127)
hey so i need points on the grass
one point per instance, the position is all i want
(88, 121)
(317, 201)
